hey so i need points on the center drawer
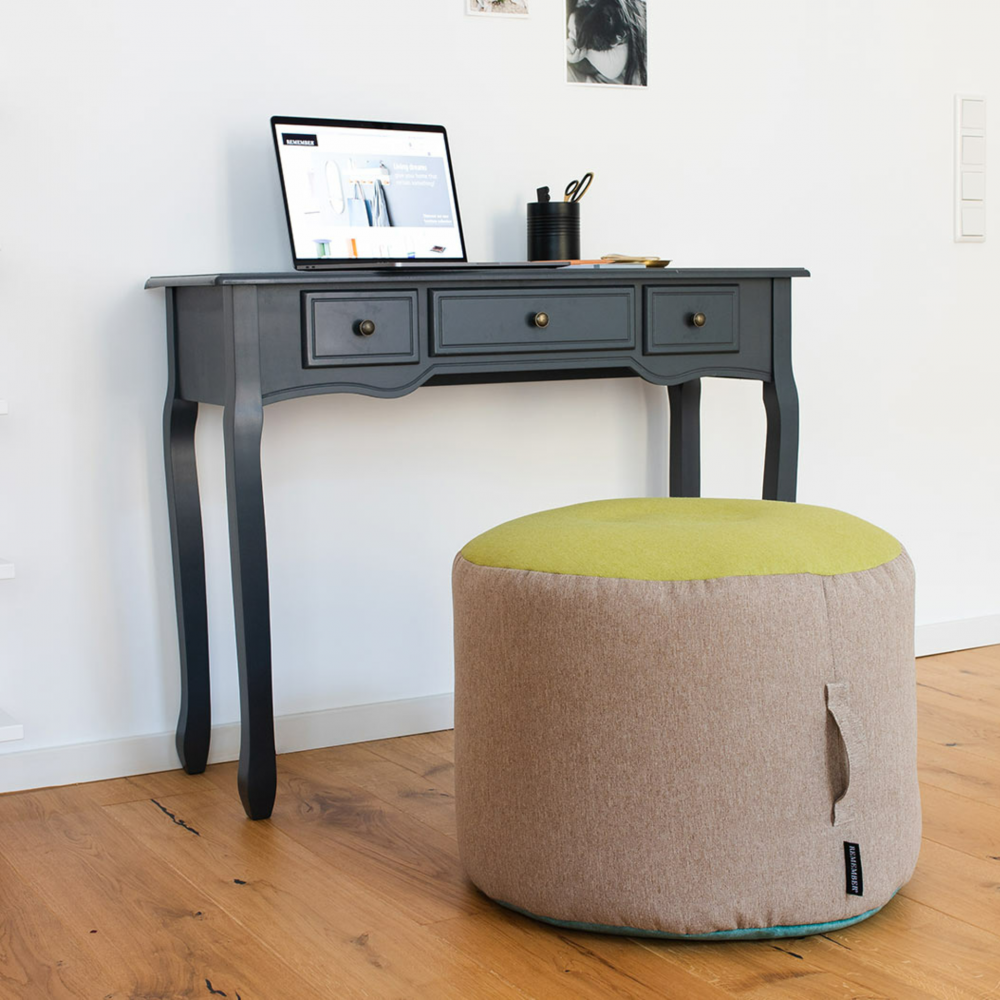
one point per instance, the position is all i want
(544, 319)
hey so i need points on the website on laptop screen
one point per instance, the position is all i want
(368, 193)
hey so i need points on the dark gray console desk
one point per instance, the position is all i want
(243, 341)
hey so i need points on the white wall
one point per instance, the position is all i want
(135, 142)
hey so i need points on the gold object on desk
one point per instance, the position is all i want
(621, 258)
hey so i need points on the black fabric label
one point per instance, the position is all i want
(852, 861)
(298, 139)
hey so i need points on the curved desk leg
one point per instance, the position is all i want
(180, 416)
(685, 438)
(243, 421)
(781, 402)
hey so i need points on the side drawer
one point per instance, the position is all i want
(686, 319)
(335, 328)
(546, 319)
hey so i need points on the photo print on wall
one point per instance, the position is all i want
(606, 42)
(498, 8)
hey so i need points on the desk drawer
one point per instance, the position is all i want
(346, 328)
(692, 319)
(546, 319)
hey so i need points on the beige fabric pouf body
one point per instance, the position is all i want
(687, 718)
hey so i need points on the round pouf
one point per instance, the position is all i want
(687, 717)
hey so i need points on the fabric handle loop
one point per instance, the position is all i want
(839, 707)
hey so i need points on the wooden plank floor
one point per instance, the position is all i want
(157, 887)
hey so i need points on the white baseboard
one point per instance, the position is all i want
(968, 633)
(146, 754)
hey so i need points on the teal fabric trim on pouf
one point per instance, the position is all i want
(737, 934)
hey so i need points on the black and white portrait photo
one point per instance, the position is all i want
(606, 42)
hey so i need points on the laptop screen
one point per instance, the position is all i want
(367, 191)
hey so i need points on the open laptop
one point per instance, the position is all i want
(370, 195)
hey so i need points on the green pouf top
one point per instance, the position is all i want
(685, 539)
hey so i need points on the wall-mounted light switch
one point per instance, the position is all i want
(973, 150)
(973, 186)
(973, 112)
(9, 729)
(973, 222)
(6, 568)
(970, 168)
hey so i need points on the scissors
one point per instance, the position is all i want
(575, 190)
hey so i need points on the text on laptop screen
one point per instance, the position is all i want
(368, 193)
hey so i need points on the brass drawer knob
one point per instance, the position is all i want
(699, 319)
(366, 328)
(541, 320)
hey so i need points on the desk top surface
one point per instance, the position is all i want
(527, 275)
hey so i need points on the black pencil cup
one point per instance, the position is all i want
(553, 230)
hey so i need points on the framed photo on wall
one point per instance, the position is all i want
(497, 8)
(606, 42)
